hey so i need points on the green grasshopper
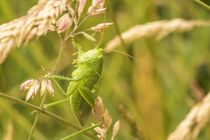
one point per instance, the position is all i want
(88, 70)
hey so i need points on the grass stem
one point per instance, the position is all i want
(203, 4)
(48, 113)
(37, 117)
(80, 132)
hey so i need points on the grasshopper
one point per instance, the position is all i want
(80, 89)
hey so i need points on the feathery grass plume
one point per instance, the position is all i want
(157, 29)
(190, 127)
(38, 21)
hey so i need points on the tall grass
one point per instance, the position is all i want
(150, 94)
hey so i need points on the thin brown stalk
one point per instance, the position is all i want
(194, 122)
(157, 29)
(39, 20)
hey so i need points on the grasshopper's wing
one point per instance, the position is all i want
(76, 102)
(87, 95)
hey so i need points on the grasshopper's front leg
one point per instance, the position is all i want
(59, 77)
(55, 103)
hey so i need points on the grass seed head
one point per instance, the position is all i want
(34, 87)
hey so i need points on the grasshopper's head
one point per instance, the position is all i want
(91, 57)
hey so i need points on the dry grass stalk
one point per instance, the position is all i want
(190, 127)
(38, 21)
(157, 29)
(100, 114)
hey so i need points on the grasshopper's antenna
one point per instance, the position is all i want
(59, 54)
(123, 54)
(102, 33)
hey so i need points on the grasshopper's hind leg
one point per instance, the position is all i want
(76, 101)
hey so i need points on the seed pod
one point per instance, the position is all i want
(96, 8)
(81, 7)
(115, 129)
(100, 27)
(87, 36)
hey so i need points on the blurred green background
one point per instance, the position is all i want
(157, 89)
